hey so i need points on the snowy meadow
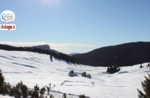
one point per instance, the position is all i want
(34, 68)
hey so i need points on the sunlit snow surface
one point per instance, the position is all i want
(34, 68)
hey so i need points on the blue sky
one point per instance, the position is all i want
(77, 25)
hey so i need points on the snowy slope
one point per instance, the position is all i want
(6, 96)
(34, 68)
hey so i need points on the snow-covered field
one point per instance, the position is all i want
(34, 68)
(1, 96)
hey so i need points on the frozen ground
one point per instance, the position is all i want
(34, 68)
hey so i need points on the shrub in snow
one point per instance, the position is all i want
(42, 91)
(71, 73)
(81, 96)
(141, 66)
(148, 65)
(146, 88)
(112, 69)
(84, 74)
(51, 96)
(48, 88)
(89, 76)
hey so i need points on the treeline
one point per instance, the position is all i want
(62, 56)
(21, 90)
(123, 55)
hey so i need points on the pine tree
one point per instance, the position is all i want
(12, 91)
(24, 90)
(2, 80)
(64, 95)
(17, 91)
(146, 88)
(36, 91)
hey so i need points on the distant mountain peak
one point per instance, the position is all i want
(44, 47)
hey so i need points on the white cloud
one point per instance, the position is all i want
(65, 48)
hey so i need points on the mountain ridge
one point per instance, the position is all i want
(122, 55)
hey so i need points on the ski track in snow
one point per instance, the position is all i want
(34, 68)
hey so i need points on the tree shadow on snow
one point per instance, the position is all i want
(69, 63)
(51, 60)
(123, 72)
